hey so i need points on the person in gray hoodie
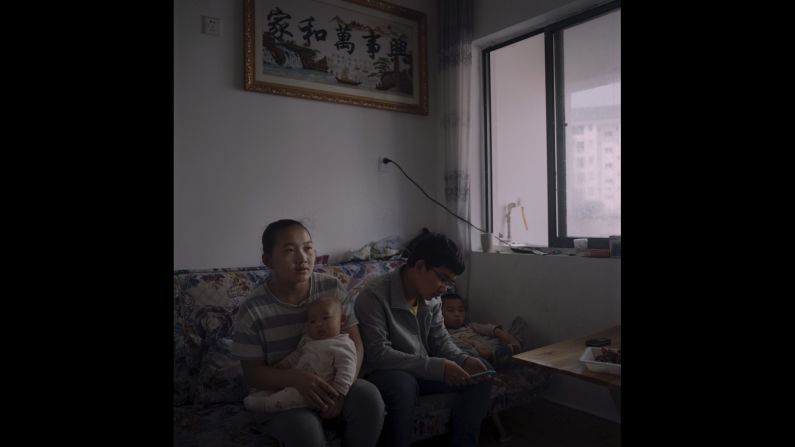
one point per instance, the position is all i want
(407, 350)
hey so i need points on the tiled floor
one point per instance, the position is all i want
(545, 424)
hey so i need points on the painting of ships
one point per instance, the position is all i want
(343, 78)
(394, 78)
(307, 56)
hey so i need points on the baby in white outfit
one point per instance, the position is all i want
(323, 350)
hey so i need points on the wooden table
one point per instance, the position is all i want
(564, 357)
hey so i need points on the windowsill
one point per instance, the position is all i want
(564, 253)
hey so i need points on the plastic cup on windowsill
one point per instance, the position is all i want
(487, 242)
(581, 246)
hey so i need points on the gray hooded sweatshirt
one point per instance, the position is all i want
(395, 339)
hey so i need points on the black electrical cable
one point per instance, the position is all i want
(387, 160)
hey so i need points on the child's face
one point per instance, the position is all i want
(325, 319)
(453, 312)
(293, 255)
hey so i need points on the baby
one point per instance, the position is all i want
(323, 350)
(486, 340)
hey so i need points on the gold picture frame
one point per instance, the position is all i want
(361, 52)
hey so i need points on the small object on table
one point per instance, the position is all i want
(597, 342)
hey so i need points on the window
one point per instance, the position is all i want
(553, 99)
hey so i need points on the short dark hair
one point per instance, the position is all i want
(454, 296)
(272, 232)
(437, 250)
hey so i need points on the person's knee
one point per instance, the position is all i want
(364, 398)
(399, 389)
(283, 429)
(406, 387)
(398, 383)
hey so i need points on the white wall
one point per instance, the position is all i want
(243, 159)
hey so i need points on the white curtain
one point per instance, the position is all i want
(455, 64)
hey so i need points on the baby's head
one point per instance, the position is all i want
(325, 317)
(454, 310)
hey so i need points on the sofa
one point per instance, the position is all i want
(208, 383)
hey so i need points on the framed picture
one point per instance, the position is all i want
(361, 52)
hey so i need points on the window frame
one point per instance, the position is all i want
(556, 144)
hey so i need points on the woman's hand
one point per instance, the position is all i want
(315, 389)
(334, 410)
(454, 374)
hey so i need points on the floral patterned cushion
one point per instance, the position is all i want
(205, 304)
